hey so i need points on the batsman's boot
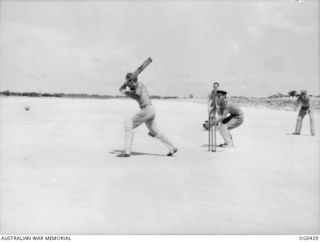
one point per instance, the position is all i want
(123, 154)
(164, 140)
(226, 136)
(128, 138)
(175, 150)
(223, 145)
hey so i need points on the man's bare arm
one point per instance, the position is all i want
(297, 104)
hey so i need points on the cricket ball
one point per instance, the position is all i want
(27, 108)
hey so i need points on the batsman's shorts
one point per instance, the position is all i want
(146, 115)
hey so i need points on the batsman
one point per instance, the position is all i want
(138, 91)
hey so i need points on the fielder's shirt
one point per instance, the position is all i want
(305, 101)
(212, 97)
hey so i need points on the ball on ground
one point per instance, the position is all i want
(27, 108)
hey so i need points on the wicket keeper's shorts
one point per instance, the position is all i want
(233, 121)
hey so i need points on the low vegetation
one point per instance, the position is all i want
(276, 101)
(284, 103)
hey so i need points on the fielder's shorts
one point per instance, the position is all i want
(147, 116)
(233, 121)
(302, 113)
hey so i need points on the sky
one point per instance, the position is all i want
(253, 48)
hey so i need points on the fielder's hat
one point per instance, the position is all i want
(221, 92)
(303, 91)
(216, 83)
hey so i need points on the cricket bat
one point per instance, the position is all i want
(142, 67)
(136, 72)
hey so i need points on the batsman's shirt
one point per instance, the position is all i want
(141, 95)
(147, 112)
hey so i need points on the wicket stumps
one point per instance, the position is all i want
(212, 131)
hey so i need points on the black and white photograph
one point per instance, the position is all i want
(162, 117)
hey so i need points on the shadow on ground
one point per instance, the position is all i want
(298, 134)
(116, 152)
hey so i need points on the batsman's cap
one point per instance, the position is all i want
(215, 83)
(303, 91)
(221, 92)
(130, 76)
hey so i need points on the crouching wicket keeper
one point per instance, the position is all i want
(137, 91)
(230, 117)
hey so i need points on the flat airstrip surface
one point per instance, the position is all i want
(59, 173)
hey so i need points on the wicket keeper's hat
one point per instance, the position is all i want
(221, 92)
(303, 91)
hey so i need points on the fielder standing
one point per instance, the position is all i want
(230, 116)
(304, 104)
(137, 91)
(212, 106)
